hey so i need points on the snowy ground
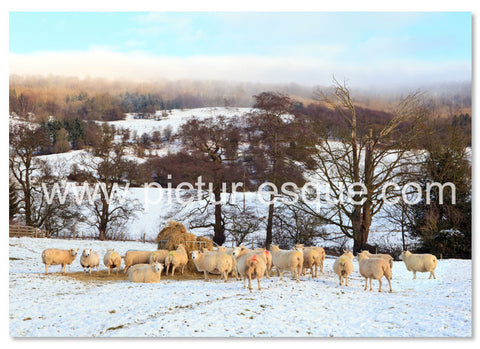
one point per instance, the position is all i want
(54, 305)
(176, 118)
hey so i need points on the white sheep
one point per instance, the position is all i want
(343, 266)
(136, 257)
(55, 256)
(311, 259)
(249, 265)
(375, 268)
(146, 273)
(422, 263)
(229, 251)
(158, 256)
(367, 254)
(290, 260)
(213, 263)
(135, 266)
(267, 258)
(89, 259)
(112, 260)
(176, 259)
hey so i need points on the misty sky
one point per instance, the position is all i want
(383, 48)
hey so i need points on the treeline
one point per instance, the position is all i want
(102, 99)
(101, 106)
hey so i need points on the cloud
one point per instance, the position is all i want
(283, 69)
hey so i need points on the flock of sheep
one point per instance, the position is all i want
(242, 263)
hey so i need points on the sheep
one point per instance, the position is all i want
(158, 256)
(136, 257)
(89, 260)
(267, 258)
(291, 260)
(311, 259)
(367, 254)
(146, 273)
(375, 268)
(419, 262)
(343, 266)
(136, 266)
(112, 260)
(213, 262)
(249, 265)
(55, 256)
(229, 251)
(321, 252)
(176, 259)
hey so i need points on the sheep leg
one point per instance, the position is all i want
(225, 275)
(64, 267)
(205, 273)
(183, 268)
(258, 280)
(244, 283)
(390, 284)
(173, 270)
(371, 289)
(46, 268)
(432, 274)
(108, 270)
(346, 280)
(380, 287)
(414, 275)
(340, 280)
(280, 274)
(250, 283)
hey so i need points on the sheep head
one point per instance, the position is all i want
(73, 251)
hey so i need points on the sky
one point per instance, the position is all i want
(366, 48)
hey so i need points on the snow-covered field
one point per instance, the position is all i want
(176, 118)
(54, 305)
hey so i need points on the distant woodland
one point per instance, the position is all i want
(75, 102)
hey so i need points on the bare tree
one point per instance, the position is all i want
(362, 158)
(33, 180)
(213, 142)
(276, 145)
(26, 141)
(108, 166)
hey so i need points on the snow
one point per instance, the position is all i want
(175, 118)
(54, 305)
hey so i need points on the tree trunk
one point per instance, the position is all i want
(102, 227)
(219, 227)
(268, 239)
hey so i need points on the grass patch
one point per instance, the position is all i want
(102, 276)
(114, 328)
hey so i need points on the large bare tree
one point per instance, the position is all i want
(364, 157)
(275, 135)
(214, 143)
(107, 165)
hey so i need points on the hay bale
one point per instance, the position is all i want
(184, 239)
(175, 234)
(208, 243)
(173, 228)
